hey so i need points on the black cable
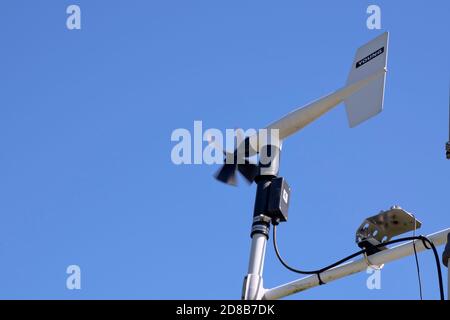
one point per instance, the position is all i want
(312, 271)
(319, 271)
(418, 271)
(417, 259)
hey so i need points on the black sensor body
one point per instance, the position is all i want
(272, 199)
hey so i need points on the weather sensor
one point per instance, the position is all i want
(383, 227)
(363, 96)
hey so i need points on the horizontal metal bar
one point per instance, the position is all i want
(349, 268)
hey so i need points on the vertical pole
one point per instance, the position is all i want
(448, 279)
(446, 262)
(447, 145)
(257, 254)
(268, 169)
(253, 282)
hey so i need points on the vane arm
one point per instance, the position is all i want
(301, 117)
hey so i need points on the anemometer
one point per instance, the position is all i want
(363, 96)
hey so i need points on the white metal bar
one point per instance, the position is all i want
(349, 268)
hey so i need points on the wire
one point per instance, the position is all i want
(319, 271)
(417, 259)
(312, 271)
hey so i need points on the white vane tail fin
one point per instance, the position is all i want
(367, 101)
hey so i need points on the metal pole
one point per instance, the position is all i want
(341, 271)
(447, 145)
(257, 254)
(446, 262)
(269, 165)
(448, 278)
(253, 282)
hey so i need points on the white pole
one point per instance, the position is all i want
(446, 262)
(253, 284)
(341, 271)
(257, 254)
(448, 279)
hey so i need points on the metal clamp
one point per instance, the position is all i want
(370, 265)
(261, 224)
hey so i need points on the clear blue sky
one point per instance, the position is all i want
(85, 124)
